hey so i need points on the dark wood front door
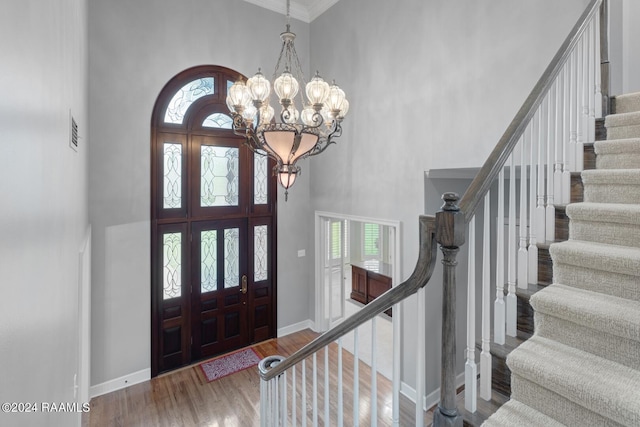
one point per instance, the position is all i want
(212, 233)
(219, 301)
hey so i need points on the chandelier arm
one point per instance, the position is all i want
(325, 142)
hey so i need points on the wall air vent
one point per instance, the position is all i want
(73, 133)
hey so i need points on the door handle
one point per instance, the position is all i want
(244, 284)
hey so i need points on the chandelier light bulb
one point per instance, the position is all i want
(286, 86)
(249, 113)
(259, 87)
(266, 114)
(344, 109)
(336, 97)
(239, 96)
(309, 116)
(317, 90)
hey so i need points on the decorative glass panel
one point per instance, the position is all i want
(218, 176)
(231, 257)
(172, 265)
(260, 253)
(185, 96)
(208, 261)
(218, 120)
(259, 179)
(229, 84)
(172, 176)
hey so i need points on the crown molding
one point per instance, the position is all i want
(303, 10)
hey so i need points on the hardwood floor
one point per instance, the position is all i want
(185, 398)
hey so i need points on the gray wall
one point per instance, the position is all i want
(431, 85)
(43, 218)
(135, 48)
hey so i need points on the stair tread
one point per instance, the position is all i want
(627, 102)
(611, 176)
(601, 256)
(631, 118)
(597, 384)
(617, 146)
(602, 312)
(622, 213)
(514, 413)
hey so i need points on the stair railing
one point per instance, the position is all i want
(538, 152)
(536, 158)
(279, 374)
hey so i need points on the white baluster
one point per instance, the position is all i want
(575, 107)
(540, 162)
(340, 386)
(591, 85)
(327, 415)
(315, 390)
(264, 403)
(523, 258)
(276, 401)
(397, 331)
(558, 178)
(356, 380)
(294, 387)
(582, 106)
(420, 358)
(374, 374)
(550, 209)
(470, 368)
(485, 355)
(499, 309)
(532, 251)
(598, 77)
(567, 146)
(283, 388)
(303, 398)
(512, 302)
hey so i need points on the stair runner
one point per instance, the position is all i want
(582, 365)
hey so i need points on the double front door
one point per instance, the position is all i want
(212, 248)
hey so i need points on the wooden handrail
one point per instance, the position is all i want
(420, 276)
(498, 157)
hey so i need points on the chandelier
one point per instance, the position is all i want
(299, 133)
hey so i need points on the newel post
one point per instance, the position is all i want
(450, 233)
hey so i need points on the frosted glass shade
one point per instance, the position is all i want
(259, 87)
(335, 98)
(317, 90)
(286, 86)
(287, 176)
(283, 143)
(238, 96)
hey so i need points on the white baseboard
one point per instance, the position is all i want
(296, 327)
(432, 398)
(120, 383)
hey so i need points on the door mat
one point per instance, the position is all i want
(230, 364)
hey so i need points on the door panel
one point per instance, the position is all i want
(221, 172)
(218, 298)
(261, 278)
(174, 279)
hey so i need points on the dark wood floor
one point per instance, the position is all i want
(185, 398)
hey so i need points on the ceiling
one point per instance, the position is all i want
(304, 10)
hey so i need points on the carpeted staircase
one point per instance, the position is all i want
(582, 365)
